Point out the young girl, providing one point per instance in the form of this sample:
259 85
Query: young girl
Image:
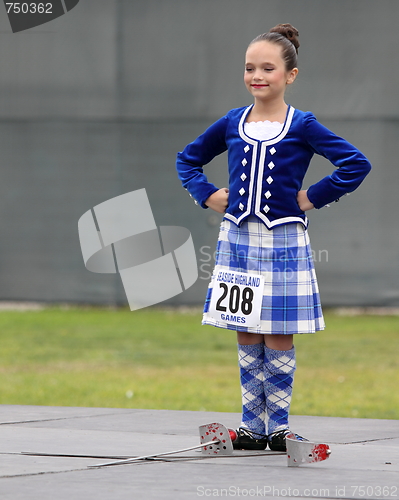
264 284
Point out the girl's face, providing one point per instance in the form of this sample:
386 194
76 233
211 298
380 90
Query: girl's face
265 74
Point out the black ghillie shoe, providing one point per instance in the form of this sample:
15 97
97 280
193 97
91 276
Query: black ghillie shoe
249 440
276 440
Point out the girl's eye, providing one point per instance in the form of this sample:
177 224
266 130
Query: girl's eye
248 69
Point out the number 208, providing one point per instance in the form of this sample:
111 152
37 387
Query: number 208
235 299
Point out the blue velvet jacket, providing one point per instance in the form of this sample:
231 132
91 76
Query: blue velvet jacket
265 176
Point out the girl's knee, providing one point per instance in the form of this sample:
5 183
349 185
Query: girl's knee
245 338
279 342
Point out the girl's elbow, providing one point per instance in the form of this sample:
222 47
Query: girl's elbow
367 167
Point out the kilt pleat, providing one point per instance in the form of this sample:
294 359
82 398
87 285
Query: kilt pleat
283 255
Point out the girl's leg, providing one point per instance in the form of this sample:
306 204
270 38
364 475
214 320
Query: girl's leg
251 363
279 377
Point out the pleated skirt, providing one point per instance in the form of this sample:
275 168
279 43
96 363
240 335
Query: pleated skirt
283 256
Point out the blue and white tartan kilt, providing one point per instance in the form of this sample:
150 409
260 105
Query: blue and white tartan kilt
291 302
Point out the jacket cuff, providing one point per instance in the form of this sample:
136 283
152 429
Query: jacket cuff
323 192
201 195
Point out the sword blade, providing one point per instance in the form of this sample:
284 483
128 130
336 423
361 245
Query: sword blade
155 455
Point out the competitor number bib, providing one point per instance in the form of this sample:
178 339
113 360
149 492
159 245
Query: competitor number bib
236 298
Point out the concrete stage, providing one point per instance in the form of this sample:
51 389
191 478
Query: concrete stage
364 462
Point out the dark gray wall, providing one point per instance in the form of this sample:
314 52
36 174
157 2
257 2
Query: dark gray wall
98 102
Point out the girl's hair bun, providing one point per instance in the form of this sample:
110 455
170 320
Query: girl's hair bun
289 32
286 36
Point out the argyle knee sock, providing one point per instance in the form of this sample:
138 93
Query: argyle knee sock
250 361
279 377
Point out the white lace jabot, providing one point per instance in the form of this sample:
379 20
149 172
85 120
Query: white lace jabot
263 131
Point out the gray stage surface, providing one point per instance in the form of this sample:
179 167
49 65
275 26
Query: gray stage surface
364 462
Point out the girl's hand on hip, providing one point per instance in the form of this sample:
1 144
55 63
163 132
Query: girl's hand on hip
218 201
303 201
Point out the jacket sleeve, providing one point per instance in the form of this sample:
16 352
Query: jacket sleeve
352 165
195 155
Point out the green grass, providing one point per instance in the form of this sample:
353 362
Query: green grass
157 359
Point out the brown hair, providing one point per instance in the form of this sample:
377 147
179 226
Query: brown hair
286 36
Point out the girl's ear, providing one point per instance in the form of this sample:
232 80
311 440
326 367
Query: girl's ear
292 75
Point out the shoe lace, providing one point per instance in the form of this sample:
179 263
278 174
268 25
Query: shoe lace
283 433
254 435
